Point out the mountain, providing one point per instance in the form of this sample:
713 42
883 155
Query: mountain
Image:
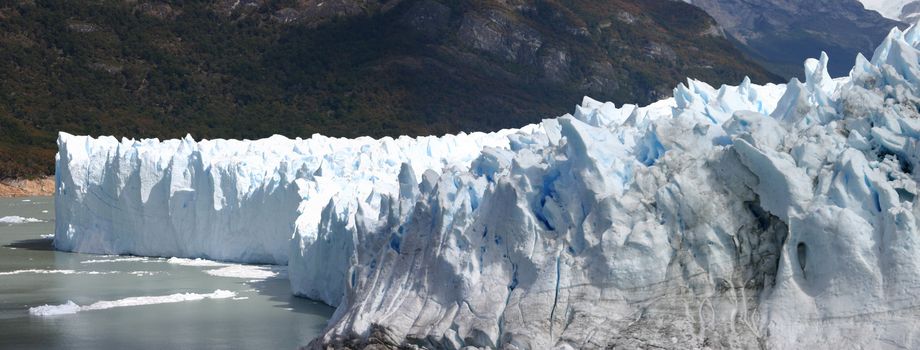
253 68
907 11
781 34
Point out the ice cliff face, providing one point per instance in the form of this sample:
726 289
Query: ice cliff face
226 199
739 217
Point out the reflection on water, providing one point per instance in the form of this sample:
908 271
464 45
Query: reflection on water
261 315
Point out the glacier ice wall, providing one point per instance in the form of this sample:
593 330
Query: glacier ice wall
779 216
226 199
739 217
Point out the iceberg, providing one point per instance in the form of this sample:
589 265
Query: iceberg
775 216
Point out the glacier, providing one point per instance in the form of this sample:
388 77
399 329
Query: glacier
224 199
775 216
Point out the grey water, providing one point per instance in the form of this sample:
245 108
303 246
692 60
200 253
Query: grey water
262 315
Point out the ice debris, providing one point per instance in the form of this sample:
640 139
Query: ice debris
71 308
17 220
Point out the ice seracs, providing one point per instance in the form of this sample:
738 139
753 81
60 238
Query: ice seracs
778 216
225 199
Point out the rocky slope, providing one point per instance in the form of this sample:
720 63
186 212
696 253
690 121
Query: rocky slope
43 186
781 34
253 68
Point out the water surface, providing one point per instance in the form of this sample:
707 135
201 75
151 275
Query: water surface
261 315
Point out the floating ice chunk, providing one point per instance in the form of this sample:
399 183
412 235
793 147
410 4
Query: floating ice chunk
196 262
53 310
60 272
233 270
18 220
249 272
71 308
144 273
116 259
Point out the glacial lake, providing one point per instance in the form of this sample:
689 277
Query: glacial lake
120 302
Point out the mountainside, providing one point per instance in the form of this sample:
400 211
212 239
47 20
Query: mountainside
781 34
248 69
907 11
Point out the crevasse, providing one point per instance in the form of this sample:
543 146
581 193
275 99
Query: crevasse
779 216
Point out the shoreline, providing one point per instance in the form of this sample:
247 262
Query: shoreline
43 186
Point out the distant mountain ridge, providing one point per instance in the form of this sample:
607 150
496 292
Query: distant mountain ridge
781 34
253 68
907 11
